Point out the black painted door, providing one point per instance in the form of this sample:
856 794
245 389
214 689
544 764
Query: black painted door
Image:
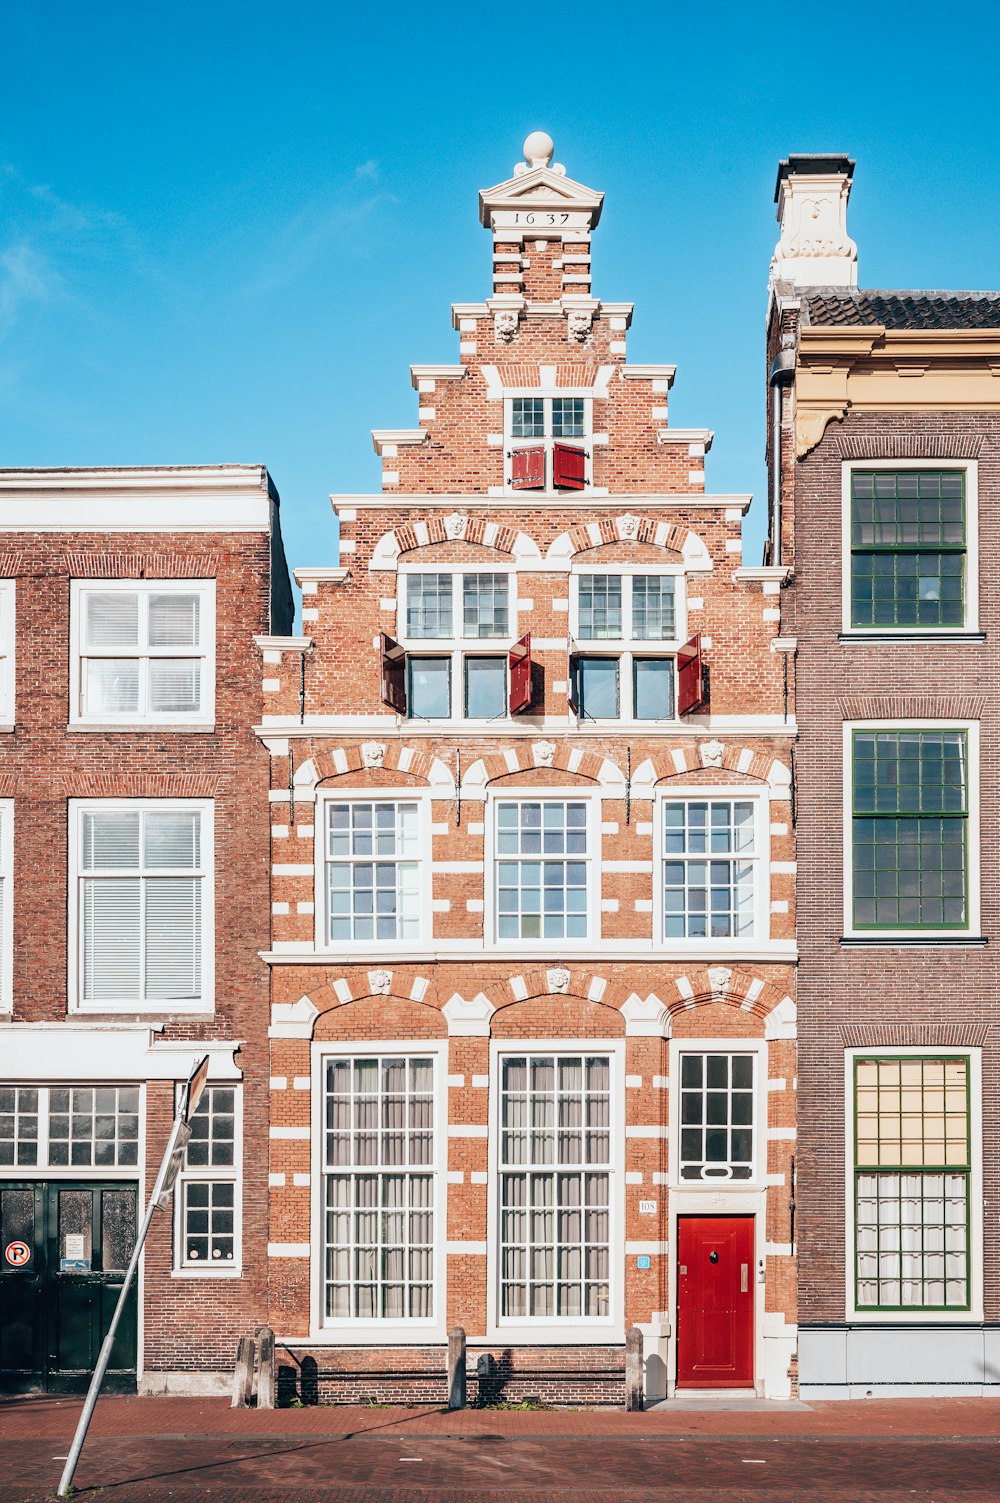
63 1255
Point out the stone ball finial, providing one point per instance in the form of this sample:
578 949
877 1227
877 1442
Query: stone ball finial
538 149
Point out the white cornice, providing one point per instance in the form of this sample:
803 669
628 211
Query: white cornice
138 499
381 436
130 478
284 726
648 373
321 572
284 644
640 951
704 436
763 573
575 501
420 373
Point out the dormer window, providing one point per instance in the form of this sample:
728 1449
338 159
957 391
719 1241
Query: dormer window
456 658
548 443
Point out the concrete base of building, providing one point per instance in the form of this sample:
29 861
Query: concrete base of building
185 1384
893 1361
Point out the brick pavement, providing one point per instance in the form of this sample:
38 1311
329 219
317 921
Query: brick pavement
152 1450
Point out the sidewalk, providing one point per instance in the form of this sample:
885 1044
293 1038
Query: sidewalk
45 1418
154 1450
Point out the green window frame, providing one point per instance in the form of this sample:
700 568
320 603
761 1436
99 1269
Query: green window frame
909 829
908 549
912 1182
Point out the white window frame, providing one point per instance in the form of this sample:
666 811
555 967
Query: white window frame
42 1169
544 1330
586 439
205 718
75 1000
593 861
8 654
211 1174
7 908
457 648
327 796
866 1315
380 1332
903 633
721 793
758 1173
627 648
889 936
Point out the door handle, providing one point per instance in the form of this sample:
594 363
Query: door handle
744 1277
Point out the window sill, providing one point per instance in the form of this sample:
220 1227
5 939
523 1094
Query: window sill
905 637
149 727
372 1333
204 1011
566 1333
913 941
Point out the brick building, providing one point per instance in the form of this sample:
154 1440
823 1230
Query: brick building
532 961
134 894
885 462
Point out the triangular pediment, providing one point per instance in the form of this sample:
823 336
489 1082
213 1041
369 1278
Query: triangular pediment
541 187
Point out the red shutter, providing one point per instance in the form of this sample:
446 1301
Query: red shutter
519 659
568 468
393 675
527 469
690 693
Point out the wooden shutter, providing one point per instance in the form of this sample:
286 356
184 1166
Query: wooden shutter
568 467
393 675
519 660
527 469
690 690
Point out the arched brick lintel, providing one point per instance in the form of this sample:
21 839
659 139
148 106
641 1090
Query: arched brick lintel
456 528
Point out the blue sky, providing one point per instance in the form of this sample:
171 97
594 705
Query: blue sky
226 229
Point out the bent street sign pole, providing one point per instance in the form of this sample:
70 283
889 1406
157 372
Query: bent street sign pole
166 1178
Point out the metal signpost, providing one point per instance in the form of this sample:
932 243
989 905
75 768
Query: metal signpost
163 1188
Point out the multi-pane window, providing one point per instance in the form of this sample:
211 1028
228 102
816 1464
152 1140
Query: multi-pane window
207 1194
717 1096
541 869
709 869
142 904
93 1126
456 609
908 548
912 1166
18 1125
144 651
555 1186
548 417
626 607
630 609
69 1127
909 827
379 1188
373 871
428 605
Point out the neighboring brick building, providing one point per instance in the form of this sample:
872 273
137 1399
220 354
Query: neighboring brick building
883 499
508 962
134 901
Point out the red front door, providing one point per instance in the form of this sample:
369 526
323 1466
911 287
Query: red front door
715 1279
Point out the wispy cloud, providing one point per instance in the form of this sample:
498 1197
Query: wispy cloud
26 277
368 169
310 232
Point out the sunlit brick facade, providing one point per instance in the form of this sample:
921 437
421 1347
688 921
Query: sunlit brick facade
533 874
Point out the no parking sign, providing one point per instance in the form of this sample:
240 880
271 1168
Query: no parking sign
17 1254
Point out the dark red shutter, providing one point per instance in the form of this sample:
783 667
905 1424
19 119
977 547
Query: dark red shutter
527 469
690 694
568 467
393 675
519 659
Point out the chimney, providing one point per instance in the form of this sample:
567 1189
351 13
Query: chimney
815 249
